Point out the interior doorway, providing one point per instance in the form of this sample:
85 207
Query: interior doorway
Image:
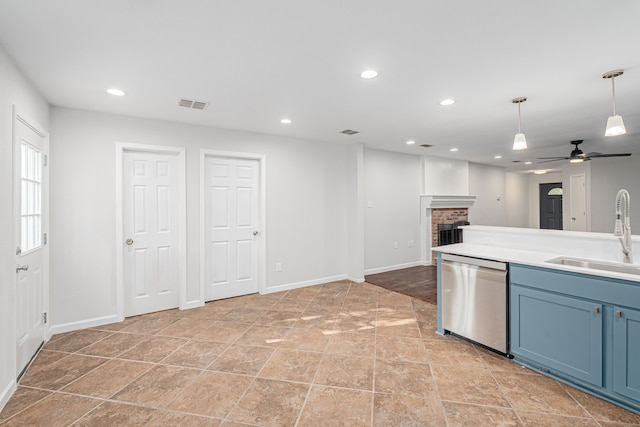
551 206
233 218
151 228
578 203
31 213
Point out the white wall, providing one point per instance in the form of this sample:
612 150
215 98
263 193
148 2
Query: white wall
306 206
516 198
487 183
534 196
392 184
445 176
608 175
14 89
355 217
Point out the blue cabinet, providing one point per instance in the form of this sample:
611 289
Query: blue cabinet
626 352
559 332
580 328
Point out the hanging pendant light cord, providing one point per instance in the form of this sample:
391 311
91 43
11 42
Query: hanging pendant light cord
519 124
613 89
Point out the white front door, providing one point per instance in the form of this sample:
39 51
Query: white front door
231 221
578 203
150 232
30 213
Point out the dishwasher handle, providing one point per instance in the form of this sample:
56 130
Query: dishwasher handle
494 265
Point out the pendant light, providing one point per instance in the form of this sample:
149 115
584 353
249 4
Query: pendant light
615 125
519 141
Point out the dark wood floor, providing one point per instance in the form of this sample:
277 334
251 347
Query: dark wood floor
419 282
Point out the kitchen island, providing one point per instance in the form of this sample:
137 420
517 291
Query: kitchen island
579 325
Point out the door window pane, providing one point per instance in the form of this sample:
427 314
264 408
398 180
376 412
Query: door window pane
31 198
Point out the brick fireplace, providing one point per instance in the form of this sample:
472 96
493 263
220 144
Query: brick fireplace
441 210
445 216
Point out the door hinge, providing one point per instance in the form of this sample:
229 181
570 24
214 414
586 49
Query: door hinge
45 160
18 250
44 317
44 238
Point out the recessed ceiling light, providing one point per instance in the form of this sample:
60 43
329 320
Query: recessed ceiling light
369 74
115 92
540 171
528 163
285 121
411 142
497 157
453 149
448 101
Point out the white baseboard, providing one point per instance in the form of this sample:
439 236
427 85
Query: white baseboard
83 324
192 304
394 267
296 285
356 280
7 393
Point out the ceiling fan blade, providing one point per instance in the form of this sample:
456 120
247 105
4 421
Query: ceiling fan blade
552 158
596 155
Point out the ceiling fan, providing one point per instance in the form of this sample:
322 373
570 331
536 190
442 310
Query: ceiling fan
577 156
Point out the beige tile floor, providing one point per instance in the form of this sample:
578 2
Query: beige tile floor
339 354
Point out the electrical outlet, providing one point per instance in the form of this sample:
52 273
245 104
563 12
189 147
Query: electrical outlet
410 243
278 266
395 245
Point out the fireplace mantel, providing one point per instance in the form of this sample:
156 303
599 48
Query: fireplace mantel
440 202
433 207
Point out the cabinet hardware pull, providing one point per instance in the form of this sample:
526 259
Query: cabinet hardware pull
618 314
596 310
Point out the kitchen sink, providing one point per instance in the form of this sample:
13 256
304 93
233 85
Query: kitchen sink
597 265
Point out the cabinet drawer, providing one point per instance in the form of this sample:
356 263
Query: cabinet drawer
560 332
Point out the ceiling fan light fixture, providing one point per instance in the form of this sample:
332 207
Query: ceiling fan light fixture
615 125
578 160
519 141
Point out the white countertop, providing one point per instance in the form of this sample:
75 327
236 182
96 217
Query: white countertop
532 258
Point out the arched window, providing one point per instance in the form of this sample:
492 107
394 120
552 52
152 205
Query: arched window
557 191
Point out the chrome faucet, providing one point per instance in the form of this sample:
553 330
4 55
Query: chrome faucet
623 224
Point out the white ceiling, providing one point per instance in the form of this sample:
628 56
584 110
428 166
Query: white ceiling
257 61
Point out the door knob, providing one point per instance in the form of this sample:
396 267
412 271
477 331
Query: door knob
255 233
21 268
129 242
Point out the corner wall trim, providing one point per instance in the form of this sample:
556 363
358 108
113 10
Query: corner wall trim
7 392
82 324
394 267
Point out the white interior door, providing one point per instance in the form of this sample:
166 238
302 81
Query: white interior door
231 220
578 218
31 255
150 228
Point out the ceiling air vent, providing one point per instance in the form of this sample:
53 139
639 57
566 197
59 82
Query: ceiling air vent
190 103
349 132
426 145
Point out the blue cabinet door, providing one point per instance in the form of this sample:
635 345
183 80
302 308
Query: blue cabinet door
626 352
560 332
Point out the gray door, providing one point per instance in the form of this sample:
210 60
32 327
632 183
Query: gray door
551 206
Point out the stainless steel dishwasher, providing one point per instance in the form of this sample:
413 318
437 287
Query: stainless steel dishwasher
474 299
